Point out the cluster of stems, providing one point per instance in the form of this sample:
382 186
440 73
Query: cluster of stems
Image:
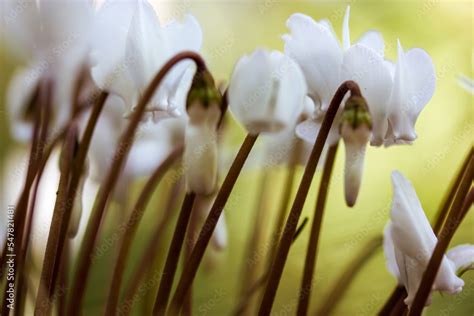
54 273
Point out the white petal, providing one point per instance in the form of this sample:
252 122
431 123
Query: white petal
308 131
412 232
346 36
145 48
185 35
316 49
19 27
462 256
413 87
368 69
109 69
374 40
389 252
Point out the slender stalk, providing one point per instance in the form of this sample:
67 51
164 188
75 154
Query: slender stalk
20 216
251 259
449 196
461 204
285 198
174 252
62 214
313 244
392 301
263 278
125 142
44 303
190 269
399 295
131 227
342 284
298 203
152 248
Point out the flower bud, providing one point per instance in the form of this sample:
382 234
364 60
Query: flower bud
355 130
200 153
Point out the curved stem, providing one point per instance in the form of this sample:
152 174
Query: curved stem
313 244
44 303
460 206
190 269
151 251
125 142
130 228
298 203
62 214
342 283
250 264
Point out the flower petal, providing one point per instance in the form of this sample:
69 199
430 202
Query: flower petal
462 256
389 252
346 36
374 40
366 67
414 84
319 61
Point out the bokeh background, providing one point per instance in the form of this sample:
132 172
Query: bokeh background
445 129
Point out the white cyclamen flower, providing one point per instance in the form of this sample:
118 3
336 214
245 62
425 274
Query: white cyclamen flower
266 92
409 242
52 37
395 95
132 48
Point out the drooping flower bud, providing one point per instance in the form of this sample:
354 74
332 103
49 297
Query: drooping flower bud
355 130
200 154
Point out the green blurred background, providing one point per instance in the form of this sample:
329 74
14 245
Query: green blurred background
445 128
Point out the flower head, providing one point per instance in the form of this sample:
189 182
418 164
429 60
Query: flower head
266 92
132 48
409 243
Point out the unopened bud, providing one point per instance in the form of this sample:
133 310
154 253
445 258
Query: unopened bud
355 130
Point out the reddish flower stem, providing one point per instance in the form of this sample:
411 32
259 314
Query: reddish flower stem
313 244
298 203
460 206
131 227
191 267
125 142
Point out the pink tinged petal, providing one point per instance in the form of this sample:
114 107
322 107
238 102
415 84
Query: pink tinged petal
414 85
462 257
316 49
368 69
373 40
346 35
